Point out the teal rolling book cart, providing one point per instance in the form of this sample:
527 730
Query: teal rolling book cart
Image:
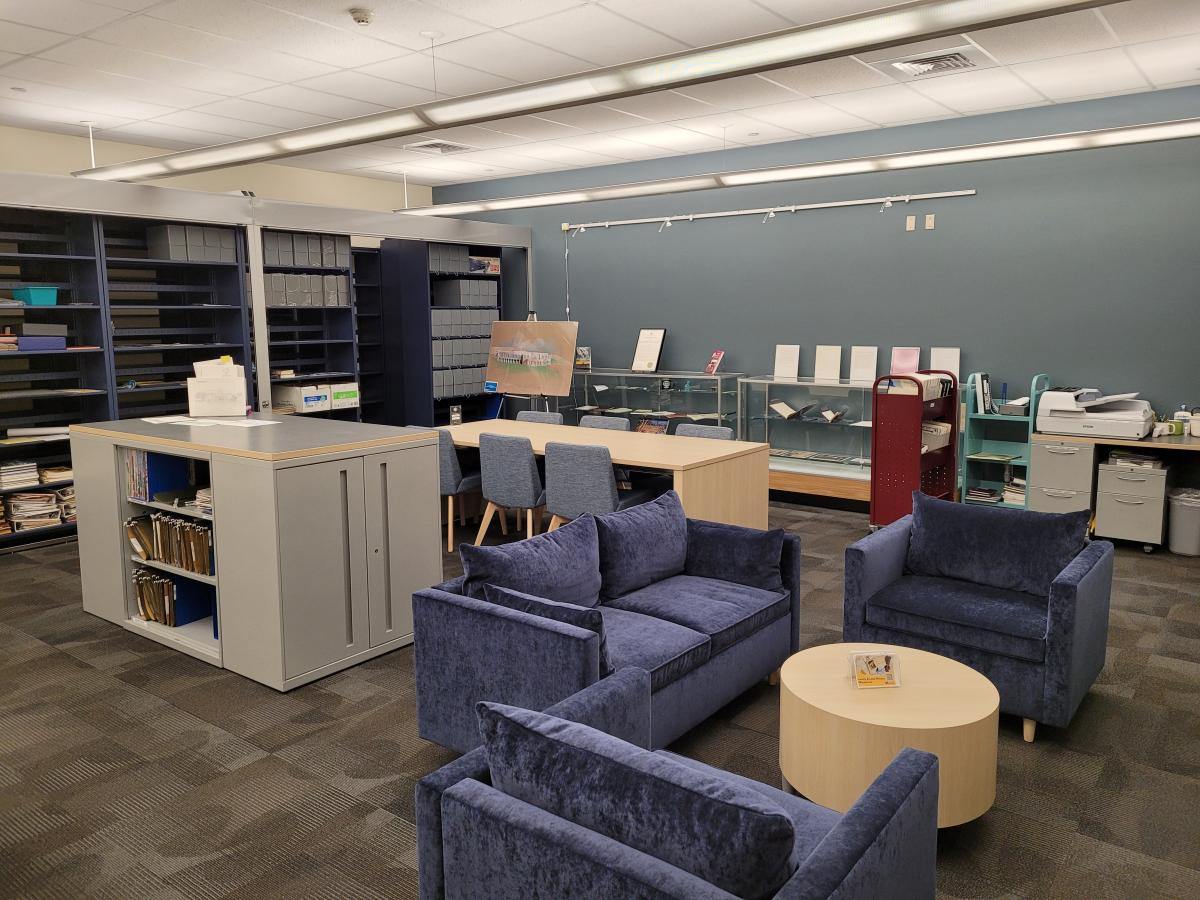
994 449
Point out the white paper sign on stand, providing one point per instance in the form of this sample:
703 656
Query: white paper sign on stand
787 361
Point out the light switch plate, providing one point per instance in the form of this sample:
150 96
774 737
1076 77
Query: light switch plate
910 223
929 220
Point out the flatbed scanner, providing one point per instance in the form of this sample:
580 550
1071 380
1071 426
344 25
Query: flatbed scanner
1086 411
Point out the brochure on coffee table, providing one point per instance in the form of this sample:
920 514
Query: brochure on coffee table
875 670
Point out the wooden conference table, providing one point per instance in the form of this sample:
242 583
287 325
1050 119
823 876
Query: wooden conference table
721 481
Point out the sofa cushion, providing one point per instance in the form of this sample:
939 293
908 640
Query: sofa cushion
721 832
733 553
1016 549
666 650
641 545
563 566
586 617
809 821
1008 623
725 611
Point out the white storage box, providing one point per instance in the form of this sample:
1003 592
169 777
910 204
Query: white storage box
343 396
306 398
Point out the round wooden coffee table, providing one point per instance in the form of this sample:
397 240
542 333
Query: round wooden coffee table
835 738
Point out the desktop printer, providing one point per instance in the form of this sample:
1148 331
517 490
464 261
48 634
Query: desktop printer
1086 411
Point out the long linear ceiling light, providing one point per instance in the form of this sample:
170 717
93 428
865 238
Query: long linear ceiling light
915 159
919 20
766 211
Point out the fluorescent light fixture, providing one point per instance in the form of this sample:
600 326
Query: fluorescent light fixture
915 159
916 21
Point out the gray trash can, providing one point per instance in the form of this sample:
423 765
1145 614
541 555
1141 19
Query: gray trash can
1185 521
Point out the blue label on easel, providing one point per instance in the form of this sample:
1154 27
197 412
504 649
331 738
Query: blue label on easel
489 387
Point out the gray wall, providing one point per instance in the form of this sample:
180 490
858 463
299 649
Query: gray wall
1085 266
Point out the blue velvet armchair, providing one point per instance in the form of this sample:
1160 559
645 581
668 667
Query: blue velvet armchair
1022 597
476 828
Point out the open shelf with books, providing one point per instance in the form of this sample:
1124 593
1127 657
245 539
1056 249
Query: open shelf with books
994 451
819 431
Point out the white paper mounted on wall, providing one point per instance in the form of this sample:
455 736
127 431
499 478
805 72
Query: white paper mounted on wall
828 364
904 360
648 349
864 364
944 359
787 361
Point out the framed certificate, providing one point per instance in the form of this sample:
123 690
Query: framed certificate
648 349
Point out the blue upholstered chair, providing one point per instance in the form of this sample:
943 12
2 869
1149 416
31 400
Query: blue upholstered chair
453 481
579 480
536 415
612 423
1020 596
510 481
572 802
714 432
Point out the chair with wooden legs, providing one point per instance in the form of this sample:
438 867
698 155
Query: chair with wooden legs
536 415
453 482
579 480
510 481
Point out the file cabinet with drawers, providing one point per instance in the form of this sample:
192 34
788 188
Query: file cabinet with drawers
1060 475
1131 503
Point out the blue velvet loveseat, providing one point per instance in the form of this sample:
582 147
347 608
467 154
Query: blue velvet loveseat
707 609
572 803
1020 596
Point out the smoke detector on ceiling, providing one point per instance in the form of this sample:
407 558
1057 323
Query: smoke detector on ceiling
438 148
362 17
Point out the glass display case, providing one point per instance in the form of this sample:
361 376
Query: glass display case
819 432
653 401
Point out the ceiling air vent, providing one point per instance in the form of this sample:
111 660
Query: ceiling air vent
437 148
933 65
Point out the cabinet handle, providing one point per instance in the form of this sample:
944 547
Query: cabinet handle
343 477
387 548
1054 493
1066 450
1129 502
1127 478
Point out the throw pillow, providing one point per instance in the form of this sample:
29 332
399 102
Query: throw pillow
585 617
746 556
563 566
641 545
724 833
1014 549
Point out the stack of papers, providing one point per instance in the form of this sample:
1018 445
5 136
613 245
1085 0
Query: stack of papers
983 495
28 511
18 474
1134 459
203 501
1014 492
49 474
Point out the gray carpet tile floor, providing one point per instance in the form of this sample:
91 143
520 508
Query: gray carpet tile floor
128 770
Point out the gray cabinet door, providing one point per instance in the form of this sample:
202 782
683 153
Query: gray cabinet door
403 539
322 564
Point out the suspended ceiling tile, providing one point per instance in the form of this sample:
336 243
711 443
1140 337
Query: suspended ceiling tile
532 128
593 33
1083 75
509 56
607 145
987 89
129 5
276 116
888 105
6 57
699 23
200 121
24 39
358 86
453 80
808 117
1063 35
593 117
739 93
67 16
560 154
62 119
1149 20
805 12
276 30
736 128
502 13
84 52
399 23
662 106
193 45
66 98
669 137
155 133
1171 62
322 104
101 83
830 76
474 136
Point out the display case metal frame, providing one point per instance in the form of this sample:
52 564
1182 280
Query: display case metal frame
725 397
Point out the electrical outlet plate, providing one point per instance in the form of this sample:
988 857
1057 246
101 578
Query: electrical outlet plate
929 222
910 223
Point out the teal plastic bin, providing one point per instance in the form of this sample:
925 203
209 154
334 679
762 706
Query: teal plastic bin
36 296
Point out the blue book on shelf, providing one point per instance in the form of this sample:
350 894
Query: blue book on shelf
40 342
194 601
167 473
